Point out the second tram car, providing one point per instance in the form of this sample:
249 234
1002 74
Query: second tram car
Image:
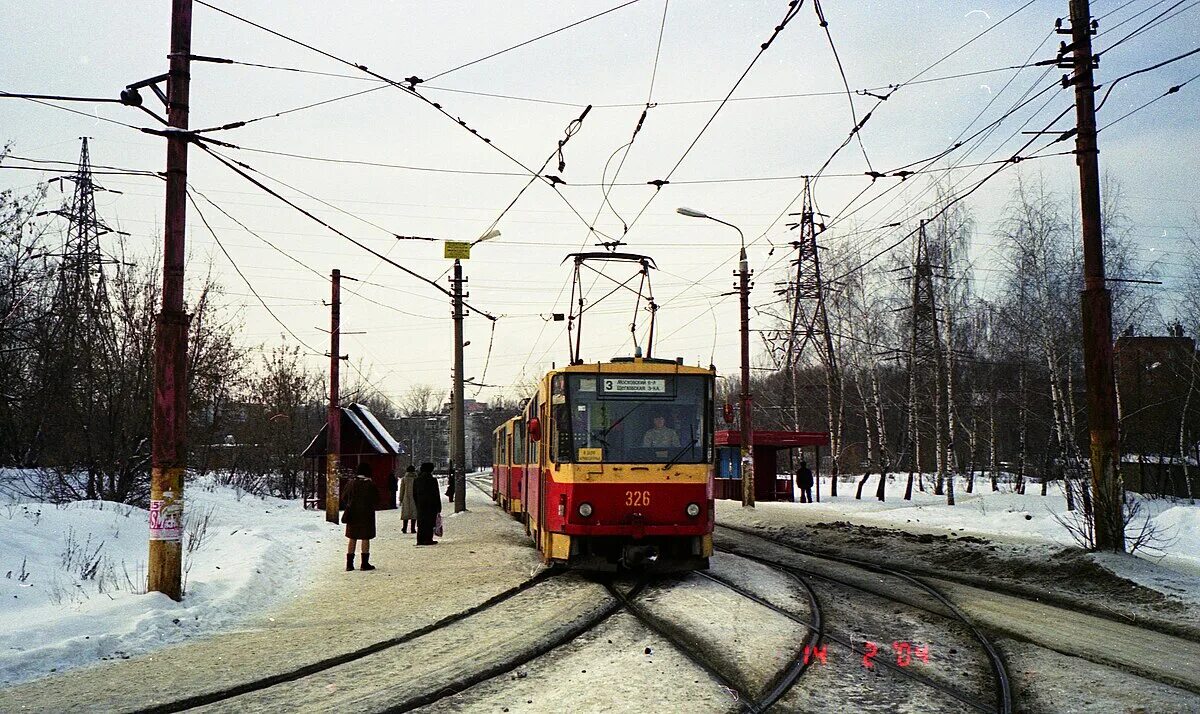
614 466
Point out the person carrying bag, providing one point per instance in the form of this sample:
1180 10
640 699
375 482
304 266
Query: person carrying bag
429 504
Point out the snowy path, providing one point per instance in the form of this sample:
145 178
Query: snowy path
484 553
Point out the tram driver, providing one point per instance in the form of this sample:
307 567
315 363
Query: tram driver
660 436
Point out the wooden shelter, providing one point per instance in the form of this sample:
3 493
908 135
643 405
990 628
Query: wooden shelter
364 441
769 484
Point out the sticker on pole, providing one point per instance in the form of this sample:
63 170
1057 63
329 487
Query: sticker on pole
166 517
457 249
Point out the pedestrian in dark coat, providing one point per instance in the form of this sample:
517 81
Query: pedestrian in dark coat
408 500
429 504
450 480
393 487
359 501
804 479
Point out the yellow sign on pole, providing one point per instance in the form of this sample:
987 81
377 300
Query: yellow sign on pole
457 249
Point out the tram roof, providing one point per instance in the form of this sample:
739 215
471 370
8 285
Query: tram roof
635 365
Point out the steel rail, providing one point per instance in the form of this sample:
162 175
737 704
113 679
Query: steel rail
745 701
338 660
465 682
798 575
787 677
999 670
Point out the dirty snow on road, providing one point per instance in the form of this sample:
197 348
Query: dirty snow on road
75 575
1170 563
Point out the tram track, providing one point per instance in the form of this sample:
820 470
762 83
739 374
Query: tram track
1004 701
787 677
444 661
346 658
466 682
745 701
226 696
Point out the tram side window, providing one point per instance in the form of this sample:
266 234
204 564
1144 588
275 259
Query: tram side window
518 450
561 444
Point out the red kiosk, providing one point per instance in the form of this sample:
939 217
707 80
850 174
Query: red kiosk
768 484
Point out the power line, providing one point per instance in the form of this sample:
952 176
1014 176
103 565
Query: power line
236 169
1149 25
845 83
323 102
1142 71
408 87
660 103
793 9
246 280
97 117
858 126
531 40
1164 95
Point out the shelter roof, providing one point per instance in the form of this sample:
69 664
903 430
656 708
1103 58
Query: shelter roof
357 420
778 439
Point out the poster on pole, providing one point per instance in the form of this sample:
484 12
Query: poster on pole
457 249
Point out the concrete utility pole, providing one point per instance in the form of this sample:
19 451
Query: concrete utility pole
1096 301
747 400
169 428
458 423
743 288
333 431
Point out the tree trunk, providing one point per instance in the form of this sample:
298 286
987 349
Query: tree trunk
1183 450
972 443
993 457
872 453
881 425
1022 429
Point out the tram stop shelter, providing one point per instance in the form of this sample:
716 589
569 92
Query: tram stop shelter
769 484
364 441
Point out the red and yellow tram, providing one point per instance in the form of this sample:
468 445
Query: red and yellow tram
612 465
508 469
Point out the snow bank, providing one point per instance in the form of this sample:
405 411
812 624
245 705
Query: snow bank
74 576
1173 558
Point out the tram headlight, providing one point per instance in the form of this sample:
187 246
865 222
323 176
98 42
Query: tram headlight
585 510
693 509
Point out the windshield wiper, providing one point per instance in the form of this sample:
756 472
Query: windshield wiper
624 416
679 455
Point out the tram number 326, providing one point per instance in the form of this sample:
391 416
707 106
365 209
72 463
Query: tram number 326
637 498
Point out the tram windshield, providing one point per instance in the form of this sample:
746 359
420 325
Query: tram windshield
636 418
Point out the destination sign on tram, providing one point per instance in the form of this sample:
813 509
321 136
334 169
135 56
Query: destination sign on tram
634 385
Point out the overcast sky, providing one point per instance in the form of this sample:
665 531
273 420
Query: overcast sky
96 48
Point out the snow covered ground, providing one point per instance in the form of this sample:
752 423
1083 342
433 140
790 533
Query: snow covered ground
74 576
1170 563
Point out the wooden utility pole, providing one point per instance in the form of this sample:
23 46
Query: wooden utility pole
1095 299
458 422
169 428
333 431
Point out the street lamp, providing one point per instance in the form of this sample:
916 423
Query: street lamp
747 439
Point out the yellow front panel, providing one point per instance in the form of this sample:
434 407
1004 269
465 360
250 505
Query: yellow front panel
631 473
560 546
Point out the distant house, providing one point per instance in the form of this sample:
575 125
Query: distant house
1154 377
364 441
